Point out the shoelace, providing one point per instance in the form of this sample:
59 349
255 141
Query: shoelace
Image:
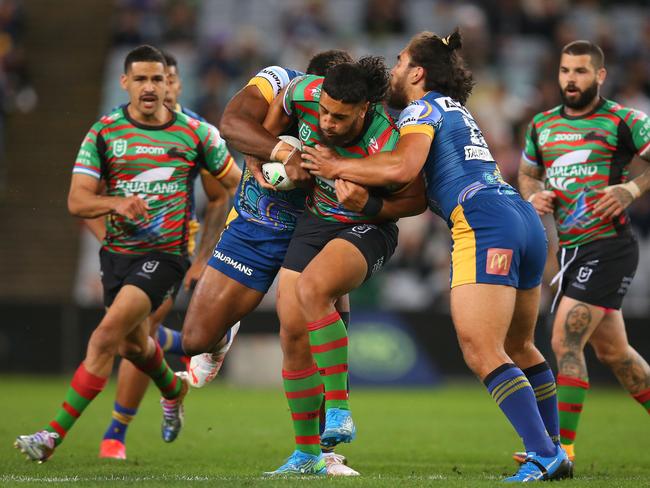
170 408
335 458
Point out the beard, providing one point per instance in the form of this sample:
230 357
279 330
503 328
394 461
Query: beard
584 98
397 96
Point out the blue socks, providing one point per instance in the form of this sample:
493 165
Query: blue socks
511 390
122 416
542 381
169 340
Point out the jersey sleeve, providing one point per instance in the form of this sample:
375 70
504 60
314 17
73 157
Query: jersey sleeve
530 154
89 158
639 124
419 117
216 158
271 80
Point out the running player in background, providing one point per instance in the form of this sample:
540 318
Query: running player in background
575 165
253 245
131 382
499 245
333 250
146 154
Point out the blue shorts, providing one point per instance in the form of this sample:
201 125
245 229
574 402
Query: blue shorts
249 253
497 239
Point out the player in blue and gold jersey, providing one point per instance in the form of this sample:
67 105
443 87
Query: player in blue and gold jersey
499 244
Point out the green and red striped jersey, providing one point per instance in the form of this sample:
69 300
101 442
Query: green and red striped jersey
379 134
581 156
158 164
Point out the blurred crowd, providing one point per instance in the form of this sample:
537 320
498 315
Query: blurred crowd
512 46
16 92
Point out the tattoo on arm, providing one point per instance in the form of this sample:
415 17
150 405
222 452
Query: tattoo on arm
531 179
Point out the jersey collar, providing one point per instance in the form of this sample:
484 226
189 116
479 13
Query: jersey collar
139 125
564 115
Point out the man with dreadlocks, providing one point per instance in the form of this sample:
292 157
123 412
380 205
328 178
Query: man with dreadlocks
499 245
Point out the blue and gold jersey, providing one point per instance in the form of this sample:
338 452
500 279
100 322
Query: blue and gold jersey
276 210
459 163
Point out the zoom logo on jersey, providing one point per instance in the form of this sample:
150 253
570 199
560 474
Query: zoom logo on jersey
567 136
156 151
248 271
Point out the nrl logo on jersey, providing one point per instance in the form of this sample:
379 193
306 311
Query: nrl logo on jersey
119 147
543 136
304 132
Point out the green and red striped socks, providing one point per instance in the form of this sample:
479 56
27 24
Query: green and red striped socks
162 375
304 391
329 346
644 399
571 393
84 387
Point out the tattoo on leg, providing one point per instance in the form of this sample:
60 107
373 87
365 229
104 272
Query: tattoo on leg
576 325
633 373
572 363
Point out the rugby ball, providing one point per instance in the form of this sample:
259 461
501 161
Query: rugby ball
275 173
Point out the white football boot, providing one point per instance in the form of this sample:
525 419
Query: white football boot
203 368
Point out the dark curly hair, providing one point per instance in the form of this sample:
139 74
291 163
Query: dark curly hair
321 63
445 69
367 80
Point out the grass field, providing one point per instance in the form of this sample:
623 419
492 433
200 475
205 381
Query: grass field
451 436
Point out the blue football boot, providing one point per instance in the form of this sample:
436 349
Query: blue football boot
301 464
538 468
339 427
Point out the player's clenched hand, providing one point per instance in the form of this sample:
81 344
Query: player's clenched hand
294 170
320 161
132 207
352 196
543 201
193 274
613 201
254 165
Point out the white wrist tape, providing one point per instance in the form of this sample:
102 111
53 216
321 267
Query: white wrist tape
631 187
277 147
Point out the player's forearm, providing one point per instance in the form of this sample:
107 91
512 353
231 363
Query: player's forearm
410 201
529 184
643 181
213 224
88 205
382 169
248 136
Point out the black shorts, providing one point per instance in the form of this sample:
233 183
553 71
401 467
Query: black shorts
600 272
377 242
158 274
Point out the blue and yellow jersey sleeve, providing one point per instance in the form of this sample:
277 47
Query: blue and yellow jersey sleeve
419 117
271 80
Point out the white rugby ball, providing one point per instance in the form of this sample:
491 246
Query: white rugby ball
275 173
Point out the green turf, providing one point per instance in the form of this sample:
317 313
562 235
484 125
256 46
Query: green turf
451 436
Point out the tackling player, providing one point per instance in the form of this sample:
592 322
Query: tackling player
575 165
254 243
131 382
499 245
147 155
333 250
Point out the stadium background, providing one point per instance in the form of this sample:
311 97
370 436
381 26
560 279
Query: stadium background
59 69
